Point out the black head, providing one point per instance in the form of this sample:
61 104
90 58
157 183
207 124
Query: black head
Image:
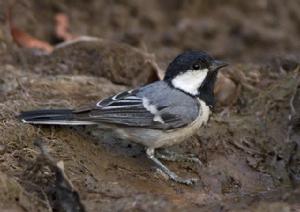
194 72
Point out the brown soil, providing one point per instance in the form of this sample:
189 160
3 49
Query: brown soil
250 148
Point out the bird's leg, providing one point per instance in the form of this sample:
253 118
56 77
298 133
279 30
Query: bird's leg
173 156
150 153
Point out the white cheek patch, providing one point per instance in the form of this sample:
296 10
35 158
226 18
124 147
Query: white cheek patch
153 110
190 81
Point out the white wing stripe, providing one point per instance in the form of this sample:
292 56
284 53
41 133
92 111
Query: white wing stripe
99 103
152 109
125 100
114 100
133 98
114 107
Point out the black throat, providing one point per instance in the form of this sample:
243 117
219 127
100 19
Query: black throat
206 91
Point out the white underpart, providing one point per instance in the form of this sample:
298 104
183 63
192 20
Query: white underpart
152 109
205 112
190 81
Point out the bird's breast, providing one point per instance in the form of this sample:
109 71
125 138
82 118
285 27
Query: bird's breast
156 138
175 136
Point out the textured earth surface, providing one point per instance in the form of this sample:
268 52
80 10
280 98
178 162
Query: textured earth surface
249 149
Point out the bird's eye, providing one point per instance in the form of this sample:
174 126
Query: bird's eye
196 66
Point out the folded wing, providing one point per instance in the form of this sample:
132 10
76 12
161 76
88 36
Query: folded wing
135 108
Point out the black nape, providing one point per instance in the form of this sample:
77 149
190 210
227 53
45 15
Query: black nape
187 61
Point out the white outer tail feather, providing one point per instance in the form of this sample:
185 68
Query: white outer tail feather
64 122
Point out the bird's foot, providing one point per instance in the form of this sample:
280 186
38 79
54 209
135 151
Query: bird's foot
186 181
173 156
172 176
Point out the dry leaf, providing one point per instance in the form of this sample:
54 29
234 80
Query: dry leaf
226 90
23 39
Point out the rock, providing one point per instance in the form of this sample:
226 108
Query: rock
2 148
226 90
118 62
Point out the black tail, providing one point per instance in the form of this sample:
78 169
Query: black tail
54 117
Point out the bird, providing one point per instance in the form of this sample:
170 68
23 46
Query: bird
157 115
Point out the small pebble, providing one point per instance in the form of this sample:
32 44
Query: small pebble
2 148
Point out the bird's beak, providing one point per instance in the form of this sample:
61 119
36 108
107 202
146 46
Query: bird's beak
217 64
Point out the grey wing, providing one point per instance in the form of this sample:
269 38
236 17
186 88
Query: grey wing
132 108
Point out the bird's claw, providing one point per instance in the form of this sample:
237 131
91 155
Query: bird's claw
195 160
172 156
186 181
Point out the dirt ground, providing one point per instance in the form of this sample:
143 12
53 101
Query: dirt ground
250 148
